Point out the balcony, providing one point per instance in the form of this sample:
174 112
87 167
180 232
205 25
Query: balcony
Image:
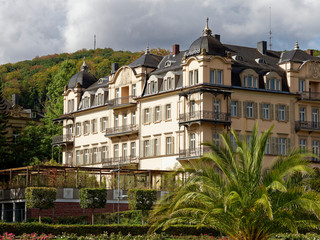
210 116
122 161
193 152
121 102
307 126
309 96
60 139
122 130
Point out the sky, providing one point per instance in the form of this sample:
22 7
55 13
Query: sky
41 27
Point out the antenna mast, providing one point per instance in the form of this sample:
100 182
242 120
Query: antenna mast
94 42
270 33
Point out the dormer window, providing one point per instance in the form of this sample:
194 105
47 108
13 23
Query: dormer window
273 84
250 81
99 99
85 103
193 77
152 87
261 60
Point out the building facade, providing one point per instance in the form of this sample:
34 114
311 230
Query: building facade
155 112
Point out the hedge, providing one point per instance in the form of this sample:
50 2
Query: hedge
82 230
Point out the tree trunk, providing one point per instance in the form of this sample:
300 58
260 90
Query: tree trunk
40 215
92 216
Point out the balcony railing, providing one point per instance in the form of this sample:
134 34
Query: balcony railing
127 160
126 129
193 152
205 115
121 101
314 96
306 125
66 138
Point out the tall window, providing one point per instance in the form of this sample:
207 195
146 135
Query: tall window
146 115
133 118
250 110
303 144
216 139
191 78
302 85
116 120
168 111
116 151
156 147
94 125
86 127
117 96
302 114
124 150
266 111
147 148
315 118
157 113
86 156
196 77
104 123
78 129
192 108
134 90
267 150
281 113
192 142
125 118
133 149
234 108
169 145
104 153
95 155
216 76
282 146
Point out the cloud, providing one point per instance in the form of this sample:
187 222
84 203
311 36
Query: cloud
35 27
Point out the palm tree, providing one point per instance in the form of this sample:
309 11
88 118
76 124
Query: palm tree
231 191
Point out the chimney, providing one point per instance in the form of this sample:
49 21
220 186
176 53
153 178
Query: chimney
114 67
262 47
175 49
217 36
310 52
15 99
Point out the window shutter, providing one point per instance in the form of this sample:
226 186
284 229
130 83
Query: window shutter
255 110
261 110
271 112
163 108
276 144
172 145
90 156
288 145
177 112
287 113
239 109
151 114
81 157
143 116
244 109
91 127
101 121
152 148
277 111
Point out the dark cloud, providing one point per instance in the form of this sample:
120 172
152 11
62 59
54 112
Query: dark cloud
35 27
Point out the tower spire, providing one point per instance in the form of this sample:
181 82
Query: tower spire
296 47
206 31
84 66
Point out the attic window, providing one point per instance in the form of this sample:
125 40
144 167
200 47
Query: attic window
261 60
100 81
168 63
237 58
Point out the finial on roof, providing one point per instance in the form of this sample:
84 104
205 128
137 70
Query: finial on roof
296 47
84 66
147 50
206 31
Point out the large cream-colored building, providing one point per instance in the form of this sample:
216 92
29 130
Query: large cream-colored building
155 112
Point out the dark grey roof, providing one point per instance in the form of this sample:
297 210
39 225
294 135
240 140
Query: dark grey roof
101 83
169 63
295 56
211 44
146 60
83 77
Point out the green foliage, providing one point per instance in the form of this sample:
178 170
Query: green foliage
288 236
40 197
84 230
126 217
4 115
141 199
73 220
230 191
93 197
47 220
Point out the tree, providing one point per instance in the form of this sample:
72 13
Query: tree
93 198
40 197
231 191
142 199
4 125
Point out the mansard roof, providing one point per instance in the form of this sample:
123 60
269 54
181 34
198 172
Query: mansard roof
146 60
296 55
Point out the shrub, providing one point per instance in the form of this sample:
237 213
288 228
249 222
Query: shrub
72 220
126 217
93 198
142 199
40 197
48 220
